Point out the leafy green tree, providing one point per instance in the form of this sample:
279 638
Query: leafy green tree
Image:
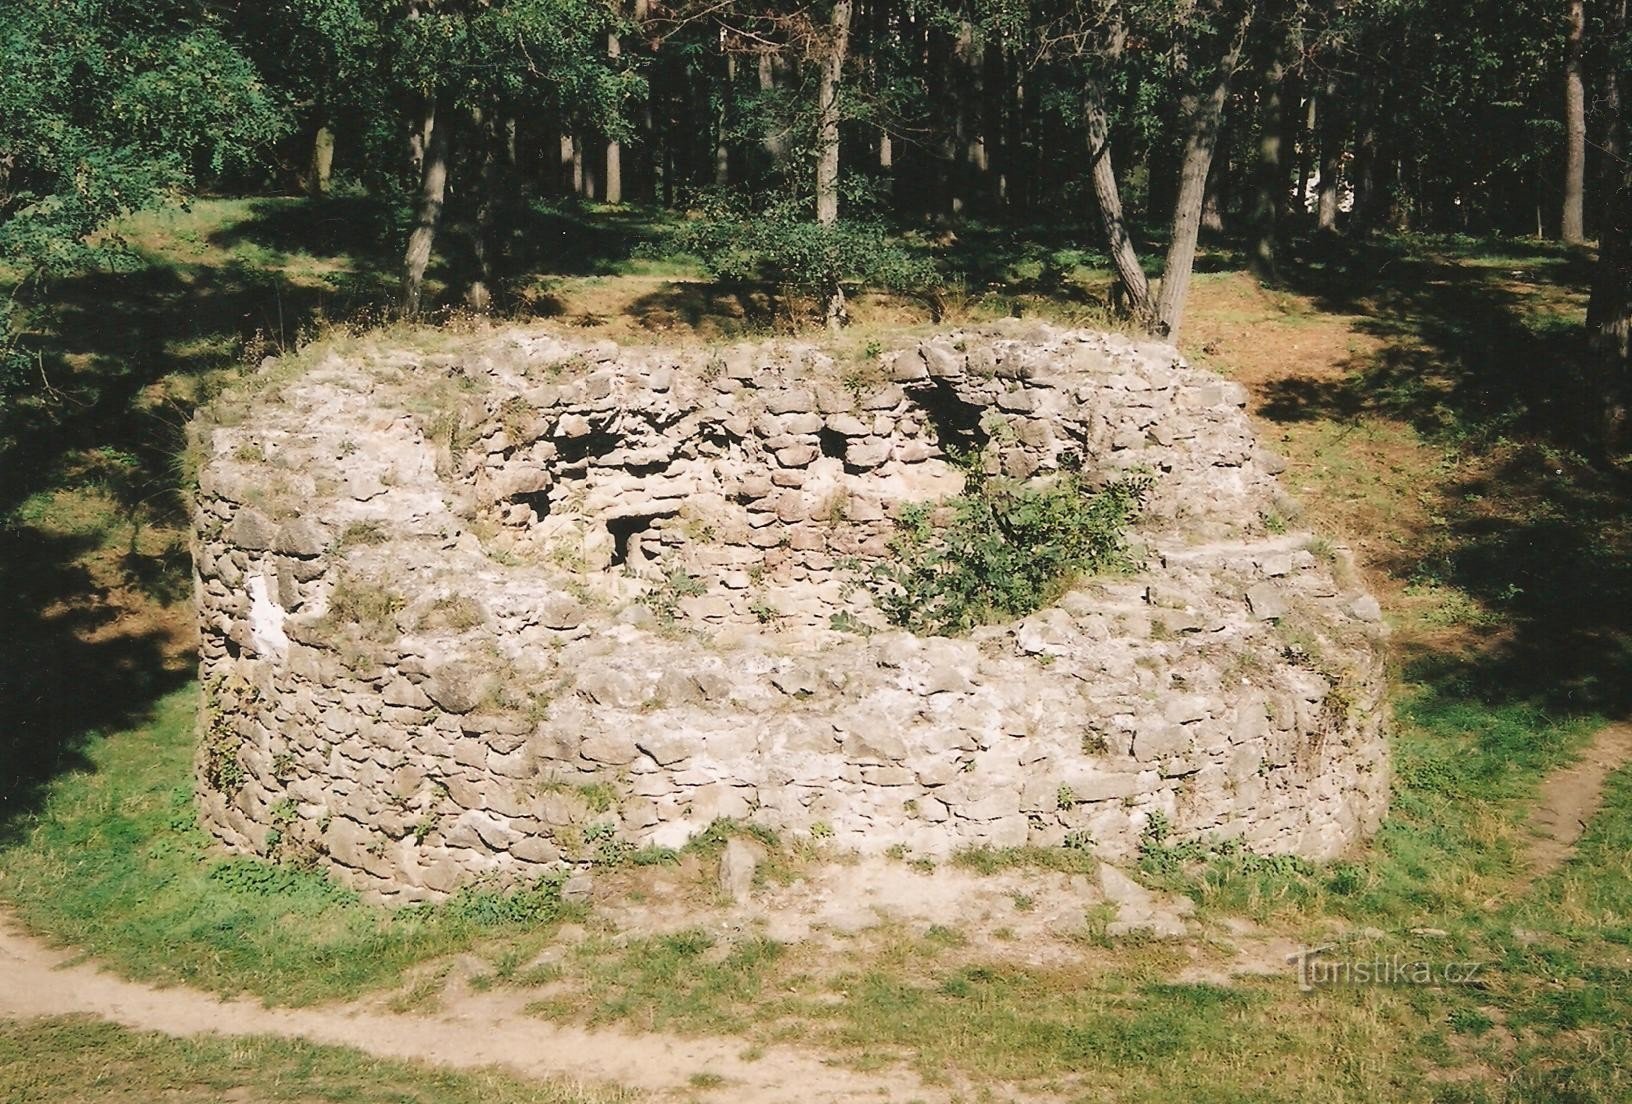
107 107
327 57
470 62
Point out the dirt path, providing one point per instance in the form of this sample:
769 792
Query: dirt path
36 980
1569 798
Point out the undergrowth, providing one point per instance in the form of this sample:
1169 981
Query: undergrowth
1009 548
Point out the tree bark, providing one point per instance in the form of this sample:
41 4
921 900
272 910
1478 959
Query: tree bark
1212 205
483 247
1609 310
433 190
572 170
1204 116
774 142
722 149
322 161
827 151
614 150
1134 289
1331 158
1306 150
1572 224
1269 177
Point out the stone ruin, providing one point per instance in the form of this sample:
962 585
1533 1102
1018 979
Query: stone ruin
540 602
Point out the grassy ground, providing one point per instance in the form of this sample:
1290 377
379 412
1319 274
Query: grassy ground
1420 391
66 1061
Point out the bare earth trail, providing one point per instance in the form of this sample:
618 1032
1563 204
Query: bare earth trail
1570 797
36 981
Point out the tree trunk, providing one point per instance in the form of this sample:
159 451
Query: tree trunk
1609 311
968 77
1364 214
1204 116
1306 151
583 168
1212 206
1134 289
571 178
419 134
614 150
1331 158
433 190
722 149
322 161
479 292
1572 229
1269 177
827 149
774 143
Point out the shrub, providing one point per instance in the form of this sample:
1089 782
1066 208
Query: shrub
1011 548
777 241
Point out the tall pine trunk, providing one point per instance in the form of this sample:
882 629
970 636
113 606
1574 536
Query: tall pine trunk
1572 224
483 239
827 150
433 191
322 168
1609 311
1331 157
1307 141
614 149
1269 171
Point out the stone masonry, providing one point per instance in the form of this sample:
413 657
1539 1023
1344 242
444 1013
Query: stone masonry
488 614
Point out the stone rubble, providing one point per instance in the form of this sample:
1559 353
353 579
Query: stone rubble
486 615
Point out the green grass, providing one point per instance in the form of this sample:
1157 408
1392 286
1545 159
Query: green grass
114 863
69 1061
1465 778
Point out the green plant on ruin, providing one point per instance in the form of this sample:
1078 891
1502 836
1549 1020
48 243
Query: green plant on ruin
847 622
664 599
1011 548
370 607
361 533
516 417
222 770
865 376
453 612
1159 857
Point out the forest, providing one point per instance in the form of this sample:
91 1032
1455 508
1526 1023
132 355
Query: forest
1402 229
822 148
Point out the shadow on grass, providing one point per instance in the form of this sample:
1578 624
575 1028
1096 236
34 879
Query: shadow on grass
68 668
90 474
1482 346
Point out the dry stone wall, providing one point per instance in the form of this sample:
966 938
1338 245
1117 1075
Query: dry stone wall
489 613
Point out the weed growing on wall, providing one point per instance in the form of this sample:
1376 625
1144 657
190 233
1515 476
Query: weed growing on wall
1009 548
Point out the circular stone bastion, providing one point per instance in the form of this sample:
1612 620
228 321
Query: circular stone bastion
527 602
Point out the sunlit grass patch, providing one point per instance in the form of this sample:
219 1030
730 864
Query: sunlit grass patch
68 1061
